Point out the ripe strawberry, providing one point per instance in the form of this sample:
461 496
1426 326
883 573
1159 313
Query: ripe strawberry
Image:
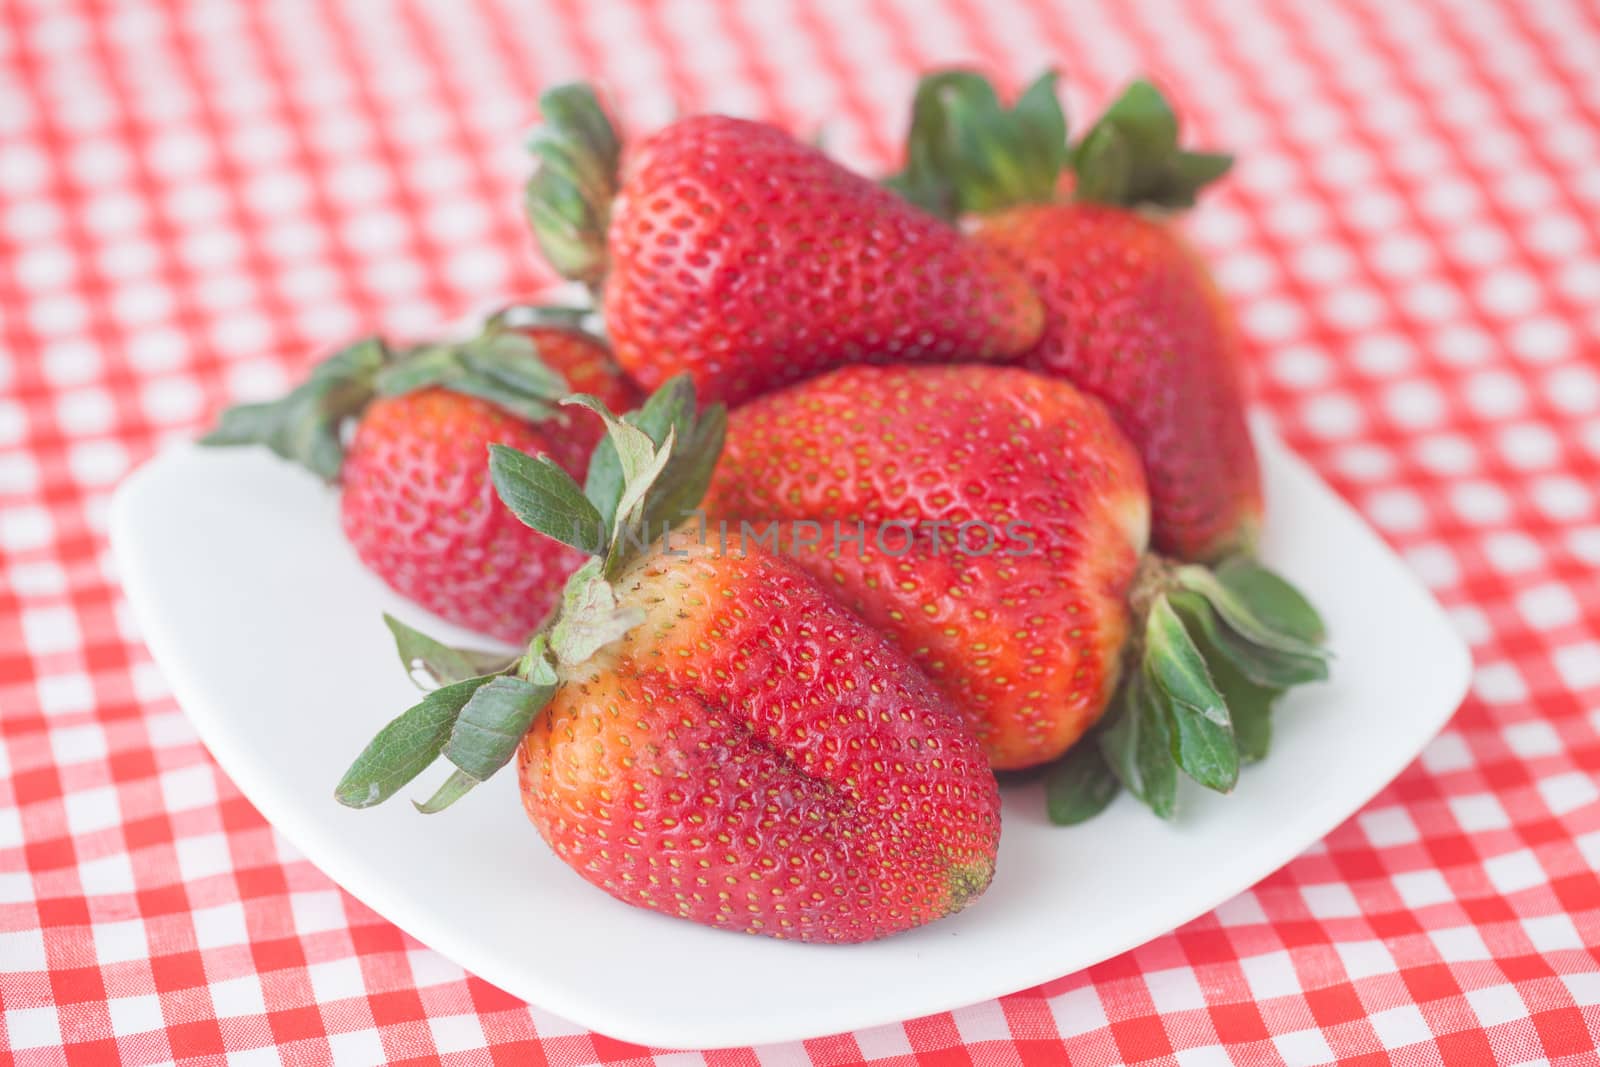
734 252
703 731
1131 314
1026 593
416 502
1027 637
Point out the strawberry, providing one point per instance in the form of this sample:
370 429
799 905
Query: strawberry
1026 637
416 502
1025 592
702 730
733 252
1131 313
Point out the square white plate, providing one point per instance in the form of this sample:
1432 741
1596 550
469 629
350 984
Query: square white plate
269 632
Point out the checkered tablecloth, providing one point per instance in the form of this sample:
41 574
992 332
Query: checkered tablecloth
195 198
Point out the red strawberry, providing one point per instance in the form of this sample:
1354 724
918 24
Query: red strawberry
1131 314
417 505
1027 638
705 732
1035 598
748 259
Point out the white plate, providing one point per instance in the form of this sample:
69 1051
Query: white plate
269 633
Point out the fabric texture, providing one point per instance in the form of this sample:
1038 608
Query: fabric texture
197 199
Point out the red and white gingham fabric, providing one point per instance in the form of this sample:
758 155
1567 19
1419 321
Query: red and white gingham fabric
196 198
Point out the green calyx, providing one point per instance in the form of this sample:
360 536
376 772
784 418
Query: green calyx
1130 157
500 365
1213 652
646 476
968 153
568 199
475 720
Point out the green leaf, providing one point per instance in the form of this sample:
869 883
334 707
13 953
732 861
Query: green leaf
1189 172
295 428
511 358
590 618
246 424
1105 166
1130 156
575 110
1249 709
1201 731
528 409
1237 614
1204 750
652 468
669 413
1272 599
568 197
630 509
458 785
1249 704
629 519
405 747
1145 119
931 175
305 426
602 486
1134 742
536 666
491 725
635 451
923 189
988 173
545 497
669 407
499 365
419 368
311 437
1041 135
1080 785
1267 667
353 364
643 473
439 661
1175 665
683 484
